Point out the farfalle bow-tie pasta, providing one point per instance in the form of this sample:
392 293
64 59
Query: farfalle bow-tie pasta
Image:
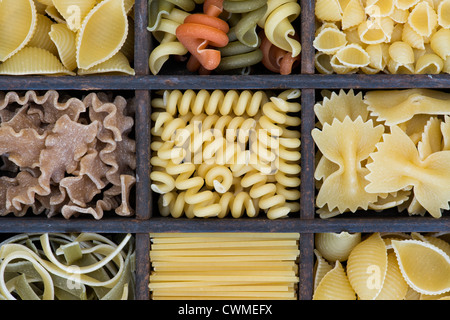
374 36
382 266
63 155
66 37
219 152
390 149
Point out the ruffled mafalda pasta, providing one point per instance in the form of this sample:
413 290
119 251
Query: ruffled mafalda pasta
415 31
70 35
85 266
242 147
225 36
411 122
67 156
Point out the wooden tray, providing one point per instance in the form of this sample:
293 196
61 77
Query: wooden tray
147 220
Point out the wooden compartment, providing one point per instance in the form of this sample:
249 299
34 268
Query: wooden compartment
146 220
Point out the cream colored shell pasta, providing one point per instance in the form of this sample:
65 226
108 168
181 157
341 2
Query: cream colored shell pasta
35 61
424 266
118 65
336 246
410 28
335 286
64 40
16 30
102 34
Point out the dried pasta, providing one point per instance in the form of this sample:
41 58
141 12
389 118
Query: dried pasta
76 36
85 266
218 266
242 147
67 156
387 266
400 37
238 36
406 135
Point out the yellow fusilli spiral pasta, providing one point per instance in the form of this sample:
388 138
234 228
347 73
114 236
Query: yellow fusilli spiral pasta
216 153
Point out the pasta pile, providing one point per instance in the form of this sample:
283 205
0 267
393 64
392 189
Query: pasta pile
390 149
224 266
66 37
221 152
226 36
372 36
64 155
54 266
382 266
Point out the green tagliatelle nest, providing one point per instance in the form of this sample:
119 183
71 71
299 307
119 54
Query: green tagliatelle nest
55 266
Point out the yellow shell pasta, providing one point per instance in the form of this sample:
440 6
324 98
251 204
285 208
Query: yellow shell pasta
118 64
394 285
335 286
102 34
32 60
330 40
412 38
336 246
367 266
379 8
443 13
405 4
401 52
353 14
353 56
322 61
440 43
41 38
65 41
429 63
423 19
321 268
328 10
74 11
425 267
16 30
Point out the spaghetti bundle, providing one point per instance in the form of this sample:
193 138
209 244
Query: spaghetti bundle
218 266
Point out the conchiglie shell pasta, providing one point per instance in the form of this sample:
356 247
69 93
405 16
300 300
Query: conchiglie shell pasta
328 10
399 15
353 56
118 64
32 60
377 31
74 11
405 4
401 52
412 38
323 63
321 268
335 286
423 19
16 30
425 267
379 55
353 14
330 40
102 34
379 8
394 286
65 41
336 246
41 38
366 267
443 13
440 43
429 63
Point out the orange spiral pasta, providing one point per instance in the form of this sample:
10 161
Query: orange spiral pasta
276 59
200 32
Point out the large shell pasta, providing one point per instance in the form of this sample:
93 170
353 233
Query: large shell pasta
32 60
410 28
94 46
16 30
387 266
80 34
